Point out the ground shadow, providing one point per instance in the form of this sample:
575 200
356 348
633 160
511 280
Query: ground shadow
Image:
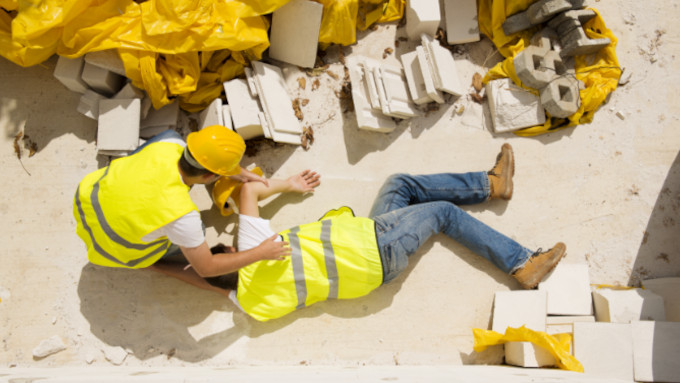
659 252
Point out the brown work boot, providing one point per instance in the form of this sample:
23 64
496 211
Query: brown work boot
538 265
500 177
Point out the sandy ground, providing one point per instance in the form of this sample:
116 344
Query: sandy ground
610 190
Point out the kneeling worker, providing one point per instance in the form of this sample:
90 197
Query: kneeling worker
342 256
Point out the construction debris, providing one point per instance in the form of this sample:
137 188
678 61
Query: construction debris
49 346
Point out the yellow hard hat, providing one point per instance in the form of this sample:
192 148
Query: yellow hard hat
218 149
224 188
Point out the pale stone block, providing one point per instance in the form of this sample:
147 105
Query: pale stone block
369 66
107 59
624 306
367 118
69 72
564 324
165 116
49 346
553 329
131 91
294 33
512 107
89 104
422 16
669 290
226 117
604 349
212 115
428 77
102 80
527 354
118 125
519 308
277 136
461 21
414 78
244 109
393 93
442 66
656 351
274 97
568 288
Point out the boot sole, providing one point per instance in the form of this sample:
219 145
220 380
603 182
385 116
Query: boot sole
553 263
507 193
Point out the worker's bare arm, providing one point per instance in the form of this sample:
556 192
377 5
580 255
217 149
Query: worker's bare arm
188 275
253 192
207 264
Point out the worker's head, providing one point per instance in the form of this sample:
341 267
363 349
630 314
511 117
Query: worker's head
213 150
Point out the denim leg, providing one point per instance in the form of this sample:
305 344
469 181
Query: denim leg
401 190
401 232
164 135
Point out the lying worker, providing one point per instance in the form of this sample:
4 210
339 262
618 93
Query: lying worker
130 212
342 256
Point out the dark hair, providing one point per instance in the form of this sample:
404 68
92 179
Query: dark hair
189 169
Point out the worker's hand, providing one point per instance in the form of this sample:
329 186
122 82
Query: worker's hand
248 176
273 250
304 182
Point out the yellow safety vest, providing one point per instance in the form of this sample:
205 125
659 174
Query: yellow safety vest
334 258
116 206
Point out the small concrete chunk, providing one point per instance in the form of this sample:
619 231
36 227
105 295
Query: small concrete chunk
461 21
568 289
512 107
561 97
422 16
669 290
604 349
89 104
414 78
656 351
527 354
519 308
244 109
107 59
294 34
624 306
48 347
69 72
102 80
115 355
118 125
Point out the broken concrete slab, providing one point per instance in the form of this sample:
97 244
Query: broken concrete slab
442 66
527 354
512 107
624 306
101 80
568 289
656 351
294 33
605 349
519 308
422 16
461 21
414 78
275 99
107 59
118 128
244 109
69 72
49 346
668 289
367 117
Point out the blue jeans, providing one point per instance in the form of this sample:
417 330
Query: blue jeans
410 209
164 135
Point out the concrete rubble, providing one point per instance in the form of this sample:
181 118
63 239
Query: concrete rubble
49 346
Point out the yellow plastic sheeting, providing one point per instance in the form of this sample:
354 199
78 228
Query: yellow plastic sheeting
599 72
557 345
341 18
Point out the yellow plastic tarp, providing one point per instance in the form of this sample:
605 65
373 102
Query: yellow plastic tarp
599 72
557 345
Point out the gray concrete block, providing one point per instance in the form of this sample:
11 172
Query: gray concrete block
107 59
165 116
118 128
69 72
102 80
516 23
656 351
536 66
543 10
561 97
89 104
569 26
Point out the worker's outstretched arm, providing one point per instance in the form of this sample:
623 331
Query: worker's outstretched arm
253 192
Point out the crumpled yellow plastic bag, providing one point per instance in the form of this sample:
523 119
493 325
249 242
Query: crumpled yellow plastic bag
557 345
600 72
342 18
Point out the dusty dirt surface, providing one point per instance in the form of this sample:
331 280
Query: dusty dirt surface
609 189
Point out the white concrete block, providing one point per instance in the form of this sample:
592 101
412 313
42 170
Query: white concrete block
369 68
428 77
656 351
69 72
442 66
512 107
89 104
568 288
102 80
422 16
251 81
131 91
527 354
624 306
277 136
669 290
226 117
294 33
461 21
274 98
414 78
118 124
395 92
563 323
266 130
108 59
244 109
165 116
604 349
519 308
212 115
367 118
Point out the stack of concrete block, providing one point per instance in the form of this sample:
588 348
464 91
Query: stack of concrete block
569 27
462 25
294 34
512 107
537 13
273 116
